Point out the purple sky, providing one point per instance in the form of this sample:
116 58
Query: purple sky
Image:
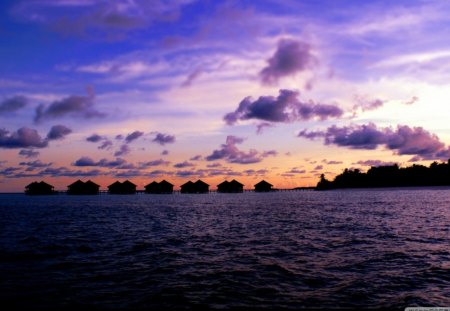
178 90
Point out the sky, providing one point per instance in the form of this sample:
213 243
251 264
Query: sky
218 90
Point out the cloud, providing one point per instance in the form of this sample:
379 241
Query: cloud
366 104
412 100
94 138
22 138
286 107
29 153
154 163
33 165
133 136
403 140
252 172
331 162
295 171
77 106
260 127
124 149
13 104
165 152
230 152
192 77
106 144
374 163
163 139
269 153
184 164
291 57
196 158
102 20
87 161
58 132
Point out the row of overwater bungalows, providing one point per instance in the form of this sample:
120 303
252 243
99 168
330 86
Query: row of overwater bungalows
127 187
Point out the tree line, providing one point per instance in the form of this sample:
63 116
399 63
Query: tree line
437 174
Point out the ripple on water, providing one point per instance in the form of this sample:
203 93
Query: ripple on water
271 250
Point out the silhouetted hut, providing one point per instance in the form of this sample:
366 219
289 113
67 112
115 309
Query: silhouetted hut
39 188
187 187
165 187
235 186
198 187
230 187
201 186
223 186
81 188
263 186
152 187
127 187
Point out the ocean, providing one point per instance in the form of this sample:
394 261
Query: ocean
287 250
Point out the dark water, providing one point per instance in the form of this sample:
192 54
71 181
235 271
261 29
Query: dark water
374 248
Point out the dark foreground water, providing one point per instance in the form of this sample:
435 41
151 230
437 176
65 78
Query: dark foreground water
361 248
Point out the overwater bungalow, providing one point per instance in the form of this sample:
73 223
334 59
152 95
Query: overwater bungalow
161 187
126 187
230 187
39 188
187 187
83 188
165 187
198 187
201 186
263 186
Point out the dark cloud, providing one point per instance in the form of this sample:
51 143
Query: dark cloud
374 163
318 167
184 164
165 152
230 152
403 140
154 163
124 149
94 138
295 171
22 138
65 172
269 153
106 144
78 106
87 161
13 104
163 139
286 107
133 136
256 172
291 57
33 165
331 162
196 158
29 153
58 132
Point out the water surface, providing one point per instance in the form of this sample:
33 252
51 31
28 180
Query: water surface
353 248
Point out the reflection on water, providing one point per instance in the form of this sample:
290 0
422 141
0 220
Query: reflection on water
365 248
